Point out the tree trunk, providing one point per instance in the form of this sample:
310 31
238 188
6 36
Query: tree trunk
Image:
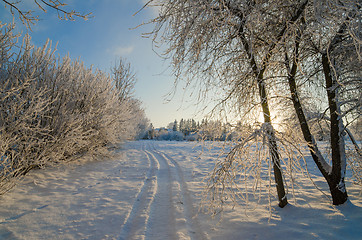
322 165
258 73
336 178
334 175
336 182
273 148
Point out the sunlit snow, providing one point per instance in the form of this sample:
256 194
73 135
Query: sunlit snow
153 190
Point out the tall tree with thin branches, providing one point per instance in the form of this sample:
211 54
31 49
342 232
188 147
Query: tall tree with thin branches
213 41
244 49
328 36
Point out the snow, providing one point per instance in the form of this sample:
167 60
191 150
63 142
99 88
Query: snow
153 190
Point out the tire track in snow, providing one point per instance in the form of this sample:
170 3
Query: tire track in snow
161 224
191 223
137 219
163 208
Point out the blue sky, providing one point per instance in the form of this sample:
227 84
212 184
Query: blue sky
104 38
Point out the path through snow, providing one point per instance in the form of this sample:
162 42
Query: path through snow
163 208
152 190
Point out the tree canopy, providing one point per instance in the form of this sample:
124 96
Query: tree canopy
262 55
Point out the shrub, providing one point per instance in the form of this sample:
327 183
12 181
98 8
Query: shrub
54 110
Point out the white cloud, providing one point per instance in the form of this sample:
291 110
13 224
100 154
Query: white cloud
122 51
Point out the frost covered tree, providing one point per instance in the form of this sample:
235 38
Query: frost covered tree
55 110
182 125
210 41
324 47
124 79
28 18
253 51
175 127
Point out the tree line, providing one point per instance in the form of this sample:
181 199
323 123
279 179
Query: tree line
192 130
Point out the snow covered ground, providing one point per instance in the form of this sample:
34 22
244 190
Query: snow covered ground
152 190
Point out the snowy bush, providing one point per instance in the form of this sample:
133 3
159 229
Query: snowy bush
194 137
169 135
54 110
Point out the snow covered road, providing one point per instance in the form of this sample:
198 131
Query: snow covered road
163 208
141 194
152 190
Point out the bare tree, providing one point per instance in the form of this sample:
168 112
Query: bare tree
336 61
28 18
268 49
124 79
214 41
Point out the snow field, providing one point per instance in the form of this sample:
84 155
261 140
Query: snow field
153 190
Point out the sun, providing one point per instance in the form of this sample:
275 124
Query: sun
276 120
